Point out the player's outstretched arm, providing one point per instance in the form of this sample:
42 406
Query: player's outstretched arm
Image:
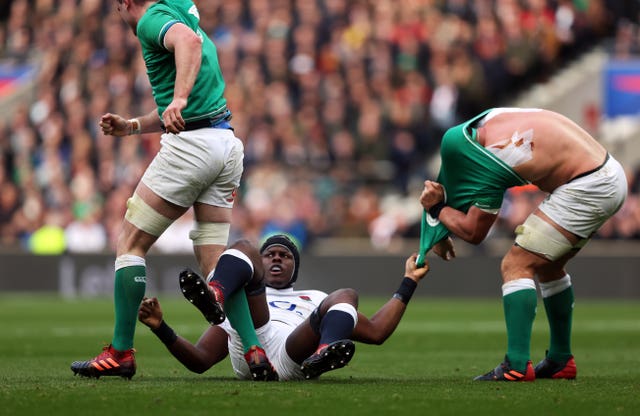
380 326
210 349
116 125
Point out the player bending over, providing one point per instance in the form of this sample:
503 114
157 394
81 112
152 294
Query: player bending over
481 159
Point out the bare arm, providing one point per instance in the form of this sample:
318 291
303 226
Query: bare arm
380 326
210 349
472 226
186 46
116 125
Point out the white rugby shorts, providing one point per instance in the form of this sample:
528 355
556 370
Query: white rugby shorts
203 165
582 205
273 337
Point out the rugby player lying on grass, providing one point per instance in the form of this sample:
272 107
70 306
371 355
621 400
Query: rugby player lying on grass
304 332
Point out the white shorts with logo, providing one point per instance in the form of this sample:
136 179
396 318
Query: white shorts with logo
203 165
273 337
582 205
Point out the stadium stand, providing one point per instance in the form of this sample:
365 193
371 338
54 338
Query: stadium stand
341 105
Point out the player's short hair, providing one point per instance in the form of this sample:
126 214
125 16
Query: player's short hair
286 242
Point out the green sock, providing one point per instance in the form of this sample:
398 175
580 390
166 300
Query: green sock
519 313
129 288
236 307
559 308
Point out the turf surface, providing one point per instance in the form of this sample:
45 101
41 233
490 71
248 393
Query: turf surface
426 367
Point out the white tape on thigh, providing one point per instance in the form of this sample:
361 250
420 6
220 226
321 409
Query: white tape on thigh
210 233
144 217
538 236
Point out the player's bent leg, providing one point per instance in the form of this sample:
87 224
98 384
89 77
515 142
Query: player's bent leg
239 269
340 316
146 218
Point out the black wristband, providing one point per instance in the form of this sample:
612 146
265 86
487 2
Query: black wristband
434 211
405 291
165 334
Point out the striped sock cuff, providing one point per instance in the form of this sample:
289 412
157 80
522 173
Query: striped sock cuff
128 260
556 286
517 285
346 308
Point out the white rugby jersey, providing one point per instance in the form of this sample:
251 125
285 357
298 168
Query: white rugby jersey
287 306
292 307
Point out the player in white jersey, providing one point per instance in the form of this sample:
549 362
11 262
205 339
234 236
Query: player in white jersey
304 332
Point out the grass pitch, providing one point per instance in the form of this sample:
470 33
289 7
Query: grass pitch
425 368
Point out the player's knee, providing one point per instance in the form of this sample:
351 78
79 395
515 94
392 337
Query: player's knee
519 263
345 295
246 247
252 253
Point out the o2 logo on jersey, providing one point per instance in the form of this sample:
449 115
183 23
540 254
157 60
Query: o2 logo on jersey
286 306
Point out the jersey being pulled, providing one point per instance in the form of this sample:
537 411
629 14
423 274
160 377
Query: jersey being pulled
206 99
470 175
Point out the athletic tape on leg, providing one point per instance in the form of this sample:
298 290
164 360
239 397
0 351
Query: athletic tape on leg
538 236
210 233
145 218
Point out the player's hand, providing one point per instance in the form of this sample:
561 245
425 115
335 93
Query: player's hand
444 249
432 193
114 125
150 313
172 116
412 271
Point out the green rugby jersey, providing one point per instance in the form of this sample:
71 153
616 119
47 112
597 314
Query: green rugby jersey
471 175
207 96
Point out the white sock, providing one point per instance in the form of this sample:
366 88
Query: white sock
555 286
516 285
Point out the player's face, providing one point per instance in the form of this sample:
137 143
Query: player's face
278 265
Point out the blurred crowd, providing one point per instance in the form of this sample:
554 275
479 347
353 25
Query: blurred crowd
341 105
